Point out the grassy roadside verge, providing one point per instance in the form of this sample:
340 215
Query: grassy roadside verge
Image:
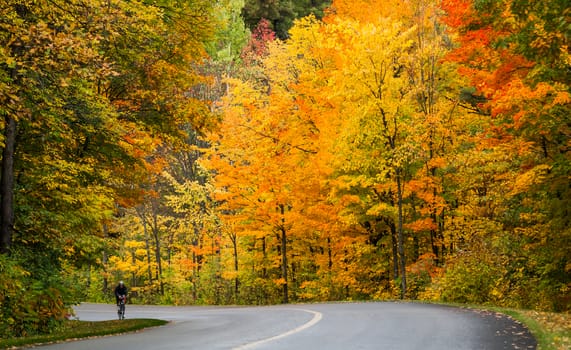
82 329
552 330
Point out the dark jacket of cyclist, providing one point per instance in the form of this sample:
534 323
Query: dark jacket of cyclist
120 290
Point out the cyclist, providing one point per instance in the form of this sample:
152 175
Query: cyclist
121 294
120 291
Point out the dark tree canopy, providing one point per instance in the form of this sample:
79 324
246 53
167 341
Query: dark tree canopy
281 13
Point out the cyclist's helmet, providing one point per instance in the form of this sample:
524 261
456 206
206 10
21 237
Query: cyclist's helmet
121 282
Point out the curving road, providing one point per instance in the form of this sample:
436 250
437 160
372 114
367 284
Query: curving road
336 326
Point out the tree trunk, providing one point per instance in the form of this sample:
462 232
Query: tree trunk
394 246
158 258
148 249
264 269
402 258
329 256
141 213
104 261
157 240
234 240
7 186
285 299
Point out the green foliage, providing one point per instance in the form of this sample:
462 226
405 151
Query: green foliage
281 13
504 269
30 306
469 280
12 282
81 329
93 88
523 60
232 35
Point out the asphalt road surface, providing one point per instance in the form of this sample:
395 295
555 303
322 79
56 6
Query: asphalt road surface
335 326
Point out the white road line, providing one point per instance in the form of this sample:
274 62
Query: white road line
316 318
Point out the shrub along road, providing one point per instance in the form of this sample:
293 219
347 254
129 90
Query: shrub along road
385 325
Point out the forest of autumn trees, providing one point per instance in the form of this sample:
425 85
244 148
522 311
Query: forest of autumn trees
239 153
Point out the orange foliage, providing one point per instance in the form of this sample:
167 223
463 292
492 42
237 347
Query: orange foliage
425 224
425 263
368 10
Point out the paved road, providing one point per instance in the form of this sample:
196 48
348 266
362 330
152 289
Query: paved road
336 326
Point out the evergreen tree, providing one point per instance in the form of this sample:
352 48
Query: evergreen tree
281 13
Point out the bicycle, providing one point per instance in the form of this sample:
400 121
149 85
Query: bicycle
121 307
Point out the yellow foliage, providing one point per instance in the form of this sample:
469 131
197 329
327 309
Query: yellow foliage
131 244
140 252
279 281
530 178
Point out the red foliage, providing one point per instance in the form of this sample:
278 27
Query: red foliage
458 12
258 44
493 69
